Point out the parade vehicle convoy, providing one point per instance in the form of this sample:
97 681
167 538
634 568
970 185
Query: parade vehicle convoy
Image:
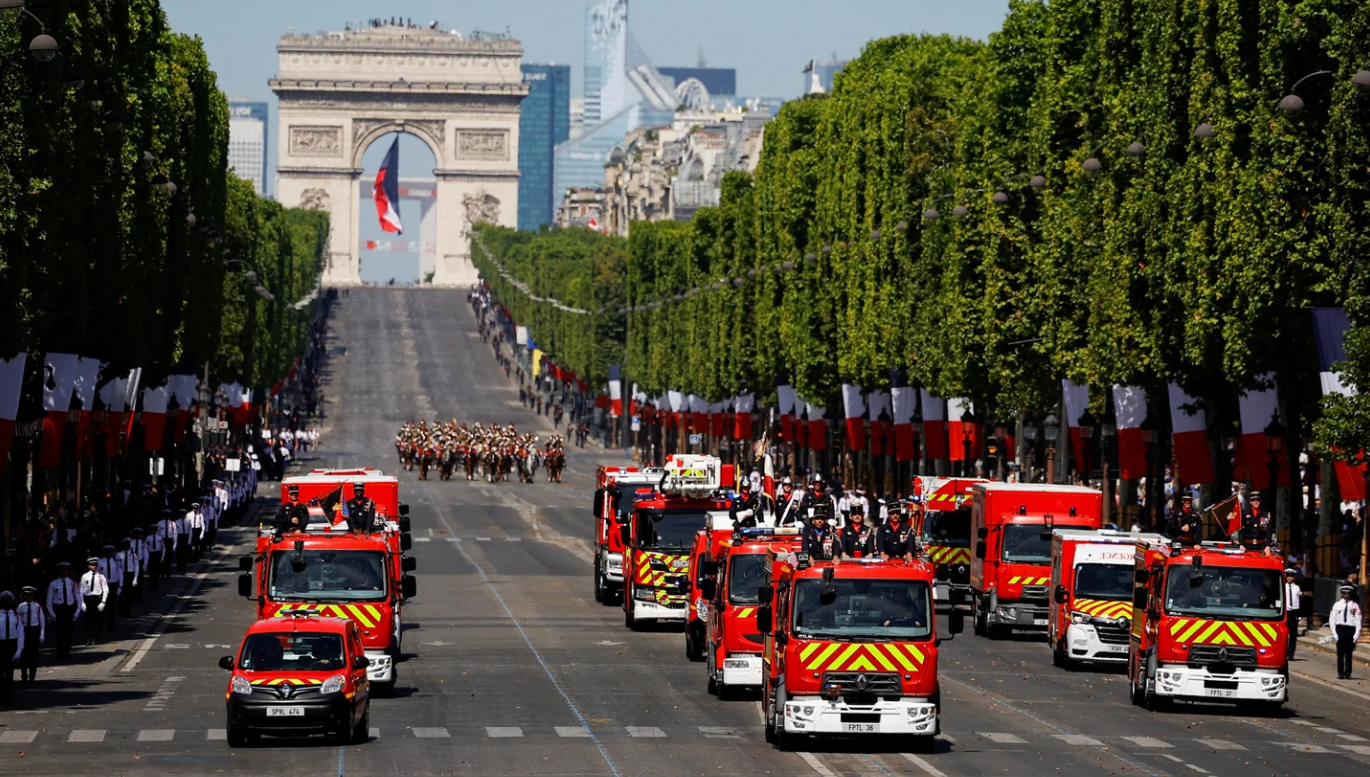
729 588
1091 599
1010 568
708 545
941 522
297 676
849 649
327 570
1209 625
659 534
617 490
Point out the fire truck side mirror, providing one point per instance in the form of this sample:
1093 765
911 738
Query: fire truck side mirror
708 588
765 594
707 569
245 585
982 532
245 564
405 526
409 586
981 549
765 619
598 503
226 663
956 622
1139 599
409 564
625 533
406 541
1061 594
404 512
1141 576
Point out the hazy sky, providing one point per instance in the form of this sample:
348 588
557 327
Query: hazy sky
767 41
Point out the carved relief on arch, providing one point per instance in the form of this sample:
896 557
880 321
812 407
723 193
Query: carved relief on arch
314 199
431 131
481 208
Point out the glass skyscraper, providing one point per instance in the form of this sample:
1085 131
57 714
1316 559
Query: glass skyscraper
247 141
544 122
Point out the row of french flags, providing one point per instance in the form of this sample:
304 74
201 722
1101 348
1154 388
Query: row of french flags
85 384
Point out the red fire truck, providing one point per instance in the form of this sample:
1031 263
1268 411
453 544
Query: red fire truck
617 490
941 521
328 571
849 649
708 547
1091 584
729 591
1011 566
658 537
1210 626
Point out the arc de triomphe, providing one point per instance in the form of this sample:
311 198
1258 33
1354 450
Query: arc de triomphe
339 92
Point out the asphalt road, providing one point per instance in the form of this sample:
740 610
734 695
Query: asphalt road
512 668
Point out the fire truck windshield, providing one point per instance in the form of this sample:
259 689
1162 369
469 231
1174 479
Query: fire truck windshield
1111 582
292 652
328 575
1023 543
862 609
746 573
1224 592
668 528
948 528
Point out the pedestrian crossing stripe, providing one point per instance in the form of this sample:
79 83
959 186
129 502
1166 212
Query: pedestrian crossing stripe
849 657
293 680
945 554
368 615
1198 631
1103 608
1016 579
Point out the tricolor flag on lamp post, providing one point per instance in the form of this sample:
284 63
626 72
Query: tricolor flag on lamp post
818 427
1190 438
59 380
1076 403
1258 409
855 411
386 190
785 400
615 391
154 417
1129 408
11 387
934 425
904 399
743 405
87 377
882 431
964 433
1329 328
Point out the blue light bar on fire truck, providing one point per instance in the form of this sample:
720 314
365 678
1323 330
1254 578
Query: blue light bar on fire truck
769 531
692 475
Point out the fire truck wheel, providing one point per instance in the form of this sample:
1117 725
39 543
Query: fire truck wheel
694 644
1152 701
1135 688
599 583
784 741
977 618
628 620
238 736
362 731
1058 657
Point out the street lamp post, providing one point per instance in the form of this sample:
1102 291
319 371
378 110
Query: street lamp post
1108 431
1152 468
1028 459
1087 424
1274 443
1000 465
1051 429
967 434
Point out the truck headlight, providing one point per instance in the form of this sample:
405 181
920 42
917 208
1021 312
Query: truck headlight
614 562
1079 617
240 684
333 684
1008 612
643 594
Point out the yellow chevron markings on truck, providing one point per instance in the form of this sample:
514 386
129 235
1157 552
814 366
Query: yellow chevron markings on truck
745 612
281 680
888 657
946 554
1028 580
368 615
1102 608
1198 631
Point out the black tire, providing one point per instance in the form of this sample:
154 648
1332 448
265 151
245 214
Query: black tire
629 621
237 736
694 644
599 583
1153 702
978 620
1058 657
362 731
1135 689
785 742
711 684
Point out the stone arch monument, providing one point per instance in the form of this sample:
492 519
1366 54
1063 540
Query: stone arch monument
339 92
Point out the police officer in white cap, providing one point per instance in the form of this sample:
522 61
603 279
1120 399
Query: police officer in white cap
11 643
113 571
34 622
94 597
1345 619
64 607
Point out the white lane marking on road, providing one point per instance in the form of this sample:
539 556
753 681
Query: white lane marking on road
503 732
1174 758
572 732
947 737
423 539
1198 769
1298 722
87 735
1351 737
1301 747
18 737
216 734
211 645
176 646
188 592
1001 738
374 733
513 539
645 732
432 733
1078 739
163 694
1327 730
719 732
817 765
1219 744
1149 742
482 539
1357 749
156 735
928 769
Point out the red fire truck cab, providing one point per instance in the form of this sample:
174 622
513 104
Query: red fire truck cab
1210 626
849 649
328 571
708 547
942 523
617 490
1011 566
1091 599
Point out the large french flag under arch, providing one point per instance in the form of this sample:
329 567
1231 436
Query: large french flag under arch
386 190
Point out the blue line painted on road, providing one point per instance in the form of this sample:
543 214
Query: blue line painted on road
342 761
1057 729
575 709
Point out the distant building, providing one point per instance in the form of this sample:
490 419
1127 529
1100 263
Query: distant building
247 141
577 116
827 71
544 122
720 81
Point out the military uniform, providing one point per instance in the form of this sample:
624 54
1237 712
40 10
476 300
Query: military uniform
896 540
858 540
361 511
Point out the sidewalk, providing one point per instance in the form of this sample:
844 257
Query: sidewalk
1315 668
